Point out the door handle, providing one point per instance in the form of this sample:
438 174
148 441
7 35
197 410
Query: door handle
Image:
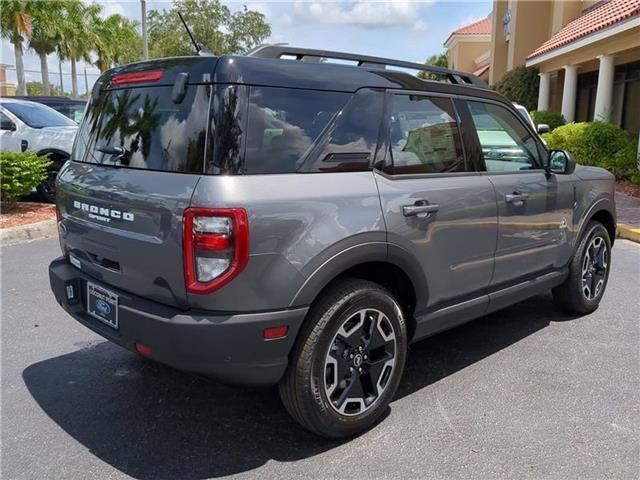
516 198
420 208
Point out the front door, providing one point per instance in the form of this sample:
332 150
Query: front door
535 208
9 141
435 209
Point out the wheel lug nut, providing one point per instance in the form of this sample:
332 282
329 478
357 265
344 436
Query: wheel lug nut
350 369
359 370
365 357
351 356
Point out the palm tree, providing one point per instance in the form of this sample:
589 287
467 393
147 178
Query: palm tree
114 37
47 30
15 25
77 37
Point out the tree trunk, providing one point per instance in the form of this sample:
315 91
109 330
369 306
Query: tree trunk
22 85
44 71
74 79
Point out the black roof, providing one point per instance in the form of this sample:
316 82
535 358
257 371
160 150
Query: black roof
300 73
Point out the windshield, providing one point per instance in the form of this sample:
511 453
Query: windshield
38 116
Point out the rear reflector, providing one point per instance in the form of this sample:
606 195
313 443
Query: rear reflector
274 333
138 77
215 247
143 350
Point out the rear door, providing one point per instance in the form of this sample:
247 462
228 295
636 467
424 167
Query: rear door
435 206
535 209
136 161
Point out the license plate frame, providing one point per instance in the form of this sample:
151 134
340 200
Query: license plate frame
102 304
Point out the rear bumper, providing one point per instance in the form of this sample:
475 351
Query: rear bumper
227 347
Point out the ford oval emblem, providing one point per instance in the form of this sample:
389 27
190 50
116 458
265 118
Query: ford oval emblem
103 307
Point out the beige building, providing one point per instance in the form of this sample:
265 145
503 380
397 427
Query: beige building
587 52
7 89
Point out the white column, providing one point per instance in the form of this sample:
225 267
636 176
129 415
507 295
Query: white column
569 92
545 91
604 92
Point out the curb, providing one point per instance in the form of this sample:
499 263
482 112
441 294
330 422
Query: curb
31 231
628 232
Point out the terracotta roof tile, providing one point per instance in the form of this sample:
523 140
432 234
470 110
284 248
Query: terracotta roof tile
481 27
597 18
481 71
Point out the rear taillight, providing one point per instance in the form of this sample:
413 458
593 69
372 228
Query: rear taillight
215 247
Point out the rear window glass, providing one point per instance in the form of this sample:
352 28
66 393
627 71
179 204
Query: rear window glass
143 128
283 125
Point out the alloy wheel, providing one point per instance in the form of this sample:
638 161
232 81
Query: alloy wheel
360 361
594 268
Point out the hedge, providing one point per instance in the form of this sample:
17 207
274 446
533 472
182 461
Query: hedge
553 119
598 144
520 85
20 173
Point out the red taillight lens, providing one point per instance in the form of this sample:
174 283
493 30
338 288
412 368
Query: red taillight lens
215 247
138 77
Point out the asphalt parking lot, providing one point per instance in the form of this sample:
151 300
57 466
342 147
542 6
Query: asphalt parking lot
523 393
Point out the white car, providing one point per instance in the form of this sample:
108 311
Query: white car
29 125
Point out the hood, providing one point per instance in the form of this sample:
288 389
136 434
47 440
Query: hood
593 173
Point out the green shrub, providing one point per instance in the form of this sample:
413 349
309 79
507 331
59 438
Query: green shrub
553 119
599 144
520 85
21 172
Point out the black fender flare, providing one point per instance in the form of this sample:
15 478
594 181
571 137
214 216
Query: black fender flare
602 204
59 153
352 256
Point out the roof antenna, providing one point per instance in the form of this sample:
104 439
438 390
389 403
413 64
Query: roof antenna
200 50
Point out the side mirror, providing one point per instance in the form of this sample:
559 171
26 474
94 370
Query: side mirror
8 125
562 162
543 128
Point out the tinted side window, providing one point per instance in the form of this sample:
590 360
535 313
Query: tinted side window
349 142
424 136
506 144
283 125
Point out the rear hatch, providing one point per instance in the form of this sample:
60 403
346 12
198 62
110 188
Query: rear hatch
137 158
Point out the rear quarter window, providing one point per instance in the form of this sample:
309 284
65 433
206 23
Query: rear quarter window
283 124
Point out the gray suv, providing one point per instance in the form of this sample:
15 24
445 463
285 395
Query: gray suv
275 219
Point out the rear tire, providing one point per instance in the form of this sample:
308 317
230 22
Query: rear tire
348 360
589 270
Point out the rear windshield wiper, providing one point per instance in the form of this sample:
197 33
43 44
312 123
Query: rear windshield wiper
121 153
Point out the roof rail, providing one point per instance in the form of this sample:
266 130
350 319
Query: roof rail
312 55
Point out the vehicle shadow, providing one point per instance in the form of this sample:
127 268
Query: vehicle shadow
151 422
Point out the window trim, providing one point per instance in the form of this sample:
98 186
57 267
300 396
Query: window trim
473 133
383 164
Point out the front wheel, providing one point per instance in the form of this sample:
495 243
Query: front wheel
583 289
348 361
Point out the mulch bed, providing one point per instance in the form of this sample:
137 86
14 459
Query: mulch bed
23 213
628 188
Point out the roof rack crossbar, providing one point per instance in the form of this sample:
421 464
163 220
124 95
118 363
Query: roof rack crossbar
313 55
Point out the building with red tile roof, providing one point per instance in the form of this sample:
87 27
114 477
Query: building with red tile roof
587 53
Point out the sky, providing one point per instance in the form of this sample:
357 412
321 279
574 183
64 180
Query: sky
403 30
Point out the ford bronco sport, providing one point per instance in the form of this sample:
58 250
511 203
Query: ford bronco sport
274 219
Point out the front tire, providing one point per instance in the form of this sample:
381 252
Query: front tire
589 270
47 189
348 360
